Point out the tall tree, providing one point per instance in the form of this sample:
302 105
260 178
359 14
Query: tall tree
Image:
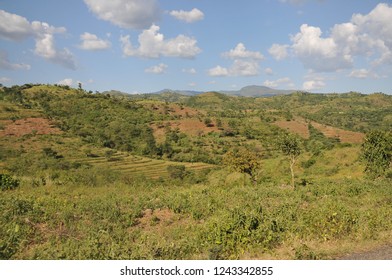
290 145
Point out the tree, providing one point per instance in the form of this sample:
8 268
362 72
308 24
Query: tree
377 152
176 171
290 146
243 161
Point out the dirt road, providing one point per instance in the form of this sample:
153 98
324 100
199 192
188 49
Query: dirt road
382 253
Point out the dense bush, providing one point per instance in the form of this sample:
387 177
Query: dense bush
8 183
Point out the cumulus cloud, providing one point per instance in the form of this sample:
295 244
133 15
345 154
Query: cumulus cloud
313 85
16 28
91 42
245 63
282 82
189 17
66 82
244 68
317 53
360 74
240 52
189 71
279 52
364 36
238 68
5 64
268 71
218 71
46 48
133 14
157 69
153 44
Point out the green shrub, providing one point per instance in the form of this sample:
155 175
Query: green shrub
8 183
176 171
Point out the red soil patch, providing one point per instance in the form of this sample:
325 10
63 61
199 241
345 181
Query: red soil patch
192 127
28 126
299 127
344 136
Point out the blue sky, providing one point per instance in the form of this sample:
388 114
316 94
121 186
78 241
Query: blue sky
149 45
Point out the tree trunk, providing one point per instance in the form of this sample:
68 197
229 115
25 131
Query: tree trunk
292 162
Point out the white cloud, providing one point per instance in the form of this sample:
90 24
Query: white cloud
362 74
66 82
46 48
240 52
268 71
189 17
157 69
238 68
364 36
134 14
285 82
315 84
14 27
189 71
91 42
245 63
5 64
218 71
244 68
153 45
279 52
317 53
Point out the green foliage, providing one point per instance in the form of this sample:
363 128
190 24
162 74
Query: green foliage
290 145
377 152
8 183
176 171
243 161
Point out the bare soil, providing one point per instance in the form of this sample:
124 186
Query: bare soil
382 253
22 127
300 127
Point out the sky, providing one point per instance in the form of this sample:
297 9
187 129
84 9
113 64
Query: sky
141 46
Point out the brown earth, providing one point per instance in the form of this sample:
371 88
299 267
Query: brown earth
192 127
295 126
300 127
345 136
382 253
22 127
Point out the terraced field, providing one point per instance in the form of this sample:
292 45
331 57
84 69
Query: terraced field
140 166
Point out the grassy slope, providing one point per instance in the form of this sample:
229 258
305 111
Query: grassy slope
106 207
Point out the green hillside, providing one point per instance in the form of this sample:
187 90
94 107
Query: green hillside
106 176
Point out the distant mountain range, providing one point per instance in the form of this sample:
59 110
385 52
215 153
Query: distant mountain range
257 91
248 91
